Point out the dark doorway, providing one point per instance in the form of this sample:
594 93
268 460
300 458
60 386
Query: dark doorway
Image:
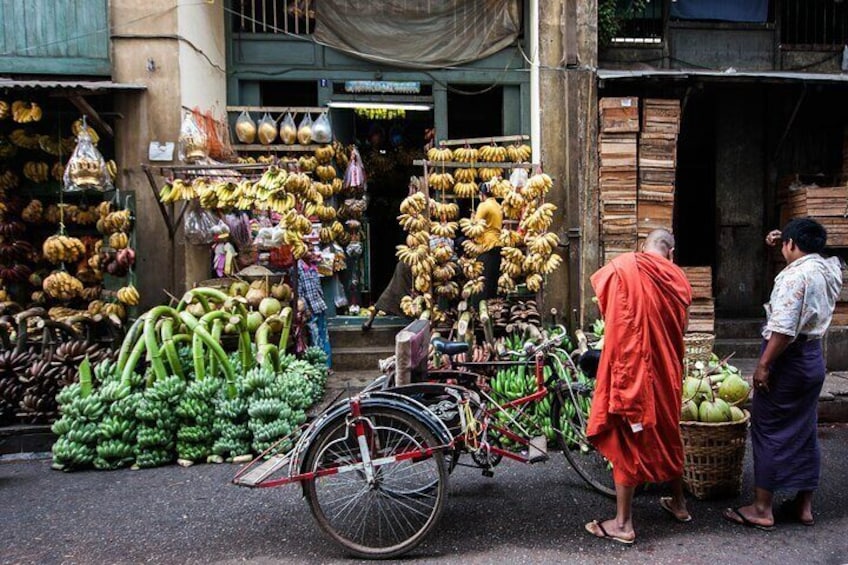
479 114
289 93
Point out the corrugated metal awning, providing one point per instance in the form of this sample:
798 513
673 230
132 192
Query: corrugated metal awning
731 75
89 86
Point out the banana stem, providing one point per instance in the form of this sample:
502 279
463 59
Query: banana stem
263 347
217 330
129 341
197 342
203 295
170 350
200 331
268 357
159 370
132 361
286 315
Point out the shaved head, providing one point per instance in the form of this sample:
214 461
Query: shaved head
661 242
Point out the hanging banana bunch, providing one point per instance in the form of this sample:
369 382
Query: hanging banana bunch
538 185
492 154
519 153
440 154
466 155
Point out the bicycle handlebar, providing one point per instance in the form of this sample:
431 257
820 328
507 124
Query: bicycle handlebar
531 348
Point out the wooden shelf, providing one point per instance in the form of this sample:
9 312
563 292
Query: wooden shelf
484 140
259 147
294 109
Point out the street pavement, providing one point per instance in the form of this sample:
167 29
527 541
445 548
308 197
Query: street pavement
525 514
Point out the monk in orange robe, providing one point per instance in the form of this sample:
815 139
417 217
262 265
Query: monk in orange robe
635 416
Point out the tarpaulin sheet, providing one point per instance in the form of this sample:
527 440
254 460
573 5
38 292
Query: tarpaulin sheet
723 10
418 34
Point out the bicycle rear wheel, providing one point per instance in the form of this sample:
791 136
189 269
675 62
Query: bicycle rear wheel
390 515
570 415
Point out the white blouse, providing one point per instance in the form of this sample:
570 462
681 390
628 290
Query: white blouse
804 297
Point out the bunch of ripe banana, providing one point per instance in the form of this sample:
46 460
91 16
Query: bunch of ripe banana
324 213
513 204
177 190
325 154
473 227
537 185
538 219
57 171
330 232
510 238
111 222
442 154
466 155
295 226
325 172
33 212
119 240
414 307
298 183
445 270
443 210
36 171
23 139
63 249
416 221
488 173
443 229
62 286
128 295
465 186
50 145
76 127
307 164
8 181
441 181
493 154
25 112
500 187
112 169
512 261
5 110
519 153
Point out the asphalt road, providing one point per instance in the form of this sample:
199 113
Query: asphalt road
523 515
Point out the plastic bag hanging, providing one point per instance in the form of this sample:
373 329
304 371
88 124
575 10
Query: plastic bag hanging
201 226
245 128
267 132
321 130
193 144
304 130
288 130
86 169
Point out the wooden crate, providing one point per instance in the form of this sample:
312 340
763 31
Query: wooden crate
618 150
660 115
618 179
619 115
818 202
614 248
840 314
654 179
702 316
658 150
701 281
652 215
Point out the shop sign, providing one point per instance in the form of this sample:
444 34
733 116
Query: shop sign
382 87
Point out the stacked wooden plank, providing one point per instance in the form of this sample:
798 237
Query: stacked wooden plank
657 164
618 177
840 314
827 205
702 310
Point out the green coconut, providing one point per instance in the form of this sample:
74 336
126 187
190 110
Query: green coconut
697 389
254 319
270 306
733 389
238 288
689 411
736 414
714 411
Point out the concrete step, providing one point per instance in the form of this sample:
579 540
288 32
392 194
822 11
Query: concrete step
351 382
360 358
743 348
354 336
738 328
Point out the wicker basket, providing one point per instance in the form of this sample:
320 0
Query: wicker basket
698 347
712 457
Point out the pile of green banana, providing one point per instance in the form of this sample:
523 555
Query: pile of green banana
196 412
158 422
77 428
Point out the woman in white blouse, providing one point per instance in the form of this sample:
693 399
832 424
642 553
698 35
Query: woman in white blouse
789 378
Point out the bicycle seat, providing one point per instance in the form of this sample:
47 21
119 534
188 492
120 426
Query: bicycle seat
449 348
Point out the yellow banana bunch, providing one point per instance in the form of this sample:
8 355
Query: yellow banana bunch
36 171
50 145
472 248
326 172
465 175
472 227
62 286
519 153
417 238
543 243
513 205
76 128
473 287
443 254
414 203
57 171
114 222
505 283
115 309
413 307
324 189
466 155
325 213
280 202
448 289
488 173
413 223
534 282
424 267
128 295
512 255
118 240
443 229
540 220
8 180
444 210
112 169
466 189
23 139
512 270
177 190
538 185
298 183
471 268
441 181
307 164
501 187
104 208
25 112
444 273
422 282
338 185
4 110
439 154
62 249
493 154
325 154
86 216
33 213
412 255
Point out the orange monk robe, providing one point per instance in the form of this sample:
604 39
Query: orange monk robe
643 299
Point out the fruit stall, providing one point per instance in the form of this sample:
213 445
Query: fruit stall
66 251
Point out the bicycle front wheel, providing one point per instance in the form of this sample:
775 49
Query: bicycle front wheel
570 415
388 514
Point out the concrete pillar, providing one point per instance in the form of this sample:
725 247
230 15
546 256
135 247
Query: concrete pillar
178 53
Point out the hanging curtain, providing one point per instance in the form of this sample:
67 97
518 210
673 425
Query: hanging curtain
722 10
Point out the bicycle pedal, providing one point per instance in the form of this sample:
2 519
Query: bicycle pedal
537 451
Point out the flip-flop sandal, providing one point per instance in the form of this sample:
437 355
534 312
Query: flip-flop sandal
788 512
665 504
590 527
731 515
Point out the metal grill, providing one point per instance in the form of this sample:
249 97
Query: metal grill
294 17
814 24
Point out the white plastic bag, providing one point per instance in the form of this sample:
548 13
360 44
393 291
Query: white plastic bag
86 169
193 143
288 130
304 130
267 130
321 130
518 178
245 128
